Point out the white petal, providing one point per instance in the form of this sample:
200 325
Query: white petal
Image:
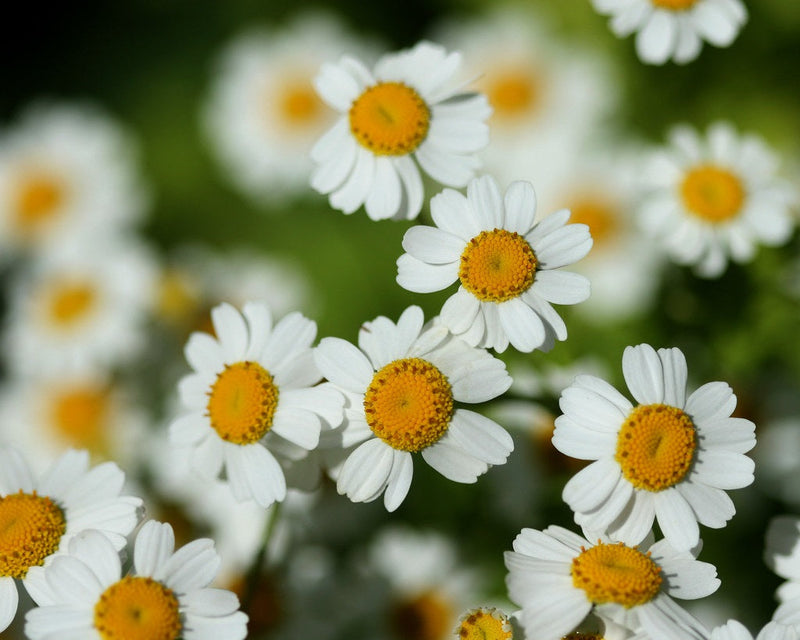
520 207
191 567
336 86
259 324
203 353
522 325
420 277
384 198
154 544
453 462
561 247
343 364
399 480
68 469
636 521
9 599
292 335
643 374
459 311
211 603
674 370
588 489
103 481
561 287
230 627
413 194
231 331
297 425
261 473
690 579
723 470
574 440
732 434
656 41
188 429
712 507
352 194
366 471
676 519
207 457
485 200
555 613
714 23
433 245
480 437
452 213
15 475
710 401
447 168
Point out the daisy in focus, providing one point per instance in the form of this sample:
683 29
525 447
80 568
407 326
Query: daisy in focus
506 264
408 111
65 169
710 198
252 396
402 383
558 578
669 458
674 29
39 516
263 115
735 630
164 597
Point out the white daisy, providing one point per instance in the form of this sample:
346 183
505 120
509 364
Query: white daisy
669 458
505 262
262 115
734 630
782 555
674 29
164 597
407 111
402 386
252 396
65 169
708 199
82 307
558 578
38 517
485 623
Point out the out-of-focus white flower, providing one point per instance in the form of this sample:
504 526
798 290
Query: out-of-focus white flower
735 630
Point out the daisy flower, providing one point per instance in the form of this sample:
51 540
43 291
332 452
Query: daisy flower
708 199
164 597
251 396
669 457
484 624
674 29
406 111
505 263
735 630
402 384
38 517
558 578
65 168
782 555
262 114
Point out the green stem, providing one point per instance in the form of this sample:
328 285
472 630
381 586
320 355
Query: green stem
254 572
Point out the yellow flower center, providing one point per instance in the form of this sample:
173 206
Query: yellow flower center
31 527
71 302
616 573
299 104
599 215
712 193
513 93
426 617
390 119
38 198
80 415
409 404
655 446
497 266
242 402
484 624
673 5
135 608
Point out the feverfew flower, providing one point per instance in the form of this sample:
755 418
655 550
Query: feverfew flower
262 115
38 517
164 597
734 630
674 29
505 262
782 555
669 458
408 110
708 199
558 578
402 386
65 169
252 395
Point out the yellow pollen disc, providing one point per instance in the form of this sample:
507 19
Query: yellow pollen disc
497 266
712 193
71 302
655 446
673 5
409 404
484 624
513 93
135 608
616 573
426 617
390 119
599 215
38 199
80 415
31 527
242 403
299 104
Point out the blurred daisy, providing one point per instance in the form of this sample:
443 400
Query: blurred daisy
734 630
65 169
708 199
504 261
547 97
782 555
82 307
777 459
402 384
558 578
164 597
38 517
409 110
669 458
674 29
262 115
43 415
251 396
